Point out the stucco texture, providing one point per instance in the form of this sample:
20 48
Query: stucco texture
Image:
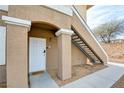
52 48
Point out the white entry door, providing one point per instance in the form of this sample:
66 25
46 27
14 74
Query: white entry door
37 54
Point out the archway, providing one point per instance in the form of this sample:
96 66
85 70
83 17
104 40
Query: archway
43 50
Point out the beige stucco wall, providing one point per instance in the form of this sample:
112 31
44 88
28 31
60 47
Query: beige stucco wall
2 73
78 57
82 9
1 14
40 13
64 62
17 56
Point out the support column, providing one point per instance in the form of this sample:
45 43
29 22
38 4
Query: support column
64 46
17 52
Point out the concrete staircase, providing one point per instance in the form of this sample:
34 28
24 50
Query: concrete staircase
85 40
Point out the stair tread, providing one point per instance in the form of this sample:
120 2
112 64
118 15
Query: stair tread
81 44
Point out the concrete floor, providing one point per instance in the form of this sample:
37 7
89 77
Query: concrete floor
42 81
101 79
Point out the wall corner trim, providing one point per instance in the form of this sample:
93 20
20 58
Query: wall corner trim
16 21
64 31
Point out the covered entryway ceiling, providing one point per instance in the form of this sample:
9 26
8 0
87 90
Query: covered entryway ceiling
45 25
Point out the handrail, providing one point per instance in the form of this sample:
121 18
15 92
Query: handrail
87 28
85 23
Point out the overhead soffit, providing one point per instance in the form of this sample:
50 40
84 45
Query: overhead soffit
44 25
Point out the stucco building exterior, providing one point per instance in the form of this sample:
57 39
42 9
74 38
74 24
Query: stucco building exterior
51 37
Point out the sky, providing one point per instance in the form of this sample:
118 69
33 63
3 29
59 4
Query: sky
100 14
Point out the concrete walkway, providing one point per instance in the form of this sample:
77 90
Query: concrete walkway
101 79
104 78
42 81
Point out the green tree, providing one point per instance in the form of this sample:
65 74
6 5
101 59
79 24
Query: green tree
108 31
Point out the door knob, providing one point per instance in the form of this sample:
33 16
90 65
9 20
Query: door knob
44 51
